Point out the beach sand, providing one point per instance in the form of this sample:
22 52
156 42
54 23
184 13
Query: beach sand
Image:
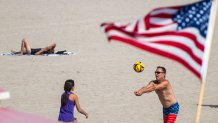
102 70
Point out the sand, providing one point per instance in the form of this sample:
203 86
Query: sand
105 80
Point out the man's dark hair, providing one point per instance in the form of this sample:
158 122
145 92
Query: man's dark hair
163 69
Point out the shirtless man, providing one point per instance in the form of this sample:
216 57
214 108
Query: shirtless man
165 93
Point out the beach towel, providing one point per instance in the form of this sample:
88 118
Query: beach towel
58 53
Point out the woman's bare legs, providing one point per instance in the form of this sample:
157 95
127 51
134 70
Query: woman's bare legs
25 47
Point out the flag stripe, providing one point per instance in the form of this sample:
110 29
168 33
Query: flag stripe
162 15
178 51
160 21
191 50
158 52
183 47
165 10
157 13
188 46
153 26
143 28
184 34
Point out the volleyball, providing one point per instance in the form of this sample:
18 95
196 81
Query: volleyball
138 66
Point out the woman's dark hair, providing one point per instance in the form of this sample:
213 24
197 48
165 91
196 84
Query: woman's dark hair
50 51
69 84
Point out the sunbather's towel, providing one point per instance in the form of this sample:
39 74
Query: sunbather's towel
59 53
6 54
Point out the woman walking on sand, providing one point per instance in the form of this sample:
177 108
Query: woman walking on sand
68 101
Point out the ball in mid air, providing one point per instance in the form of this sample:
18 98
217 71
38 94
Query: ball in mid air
138 66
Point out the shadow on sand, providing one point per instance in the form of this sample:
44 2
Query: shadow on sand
211 106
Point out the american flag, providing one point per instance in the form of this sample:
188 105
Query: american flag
178 33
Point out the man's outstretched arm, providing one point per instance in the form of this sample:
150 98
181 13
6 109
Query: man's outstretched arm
151 87
145 89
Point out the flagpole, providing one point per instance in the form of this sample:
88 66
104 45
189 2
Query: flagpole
206 57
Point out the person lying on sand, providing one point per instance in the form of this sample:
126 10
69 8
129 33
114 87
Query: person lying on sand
27 50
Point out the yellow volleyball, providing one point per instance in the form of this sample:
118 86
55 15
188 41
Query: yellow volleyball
138 66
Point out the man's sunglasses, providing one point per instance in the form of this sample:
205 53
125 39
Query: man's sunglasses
157 72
